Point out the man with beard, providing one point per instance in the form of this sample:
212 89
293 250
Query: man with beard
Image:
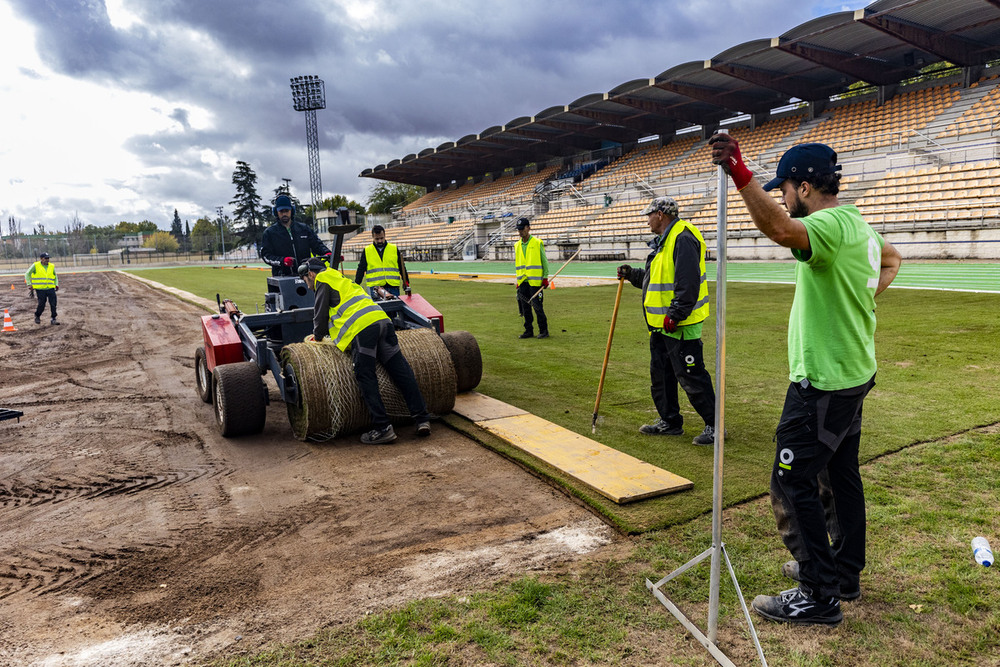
382 265
842 265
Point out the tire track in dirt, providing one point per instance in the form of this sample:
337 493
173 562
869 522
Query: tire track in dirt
122 510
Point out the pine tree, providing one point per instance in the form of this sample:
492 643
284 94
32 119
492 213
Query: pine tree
175 227
246 204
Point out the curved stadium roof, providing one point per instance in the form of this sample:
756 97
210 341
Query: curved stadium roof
884 43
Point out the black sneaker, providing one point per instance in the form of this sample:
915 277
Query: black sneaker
794 606
791 570
423 429
706 437
544 334
527 334
54 322
38 320
379 436
661 428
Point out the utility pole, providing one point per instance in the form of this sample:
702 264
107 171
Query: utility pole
308 95
286 188
222 236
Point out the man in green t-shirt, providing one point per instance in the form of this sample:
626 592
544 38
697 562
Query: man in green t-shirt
842 265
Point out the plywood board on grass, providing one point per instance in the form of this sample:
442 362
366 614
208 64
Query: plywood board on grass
614 474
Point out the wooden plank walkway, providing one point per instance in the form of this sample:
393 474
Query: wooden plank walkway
613 474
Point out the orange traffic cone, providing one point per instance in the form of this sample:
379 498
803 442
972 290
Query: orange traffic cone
12 287
552 284
8 325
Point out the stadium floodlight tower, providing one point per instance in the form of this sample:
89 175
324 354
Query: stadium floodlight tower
308 95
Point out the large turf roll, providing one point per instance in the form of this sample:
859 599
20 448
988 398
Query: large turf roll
466 358
330 400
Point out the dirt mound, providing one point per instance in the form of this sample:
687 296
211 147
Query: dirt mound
132 533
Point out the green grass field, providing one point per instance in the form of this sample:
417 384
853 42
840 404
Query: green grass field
930 477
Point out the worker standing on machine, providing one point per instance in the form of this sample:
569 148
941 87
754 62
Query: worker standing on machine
381 265
286 243
347 315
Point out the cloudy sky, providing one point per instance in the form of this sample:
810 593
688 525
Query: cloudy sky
128 109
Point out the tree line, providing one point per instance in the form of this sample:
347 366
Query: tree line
241 227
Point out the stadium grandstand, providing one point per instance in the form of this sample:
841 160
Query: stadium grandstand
906 91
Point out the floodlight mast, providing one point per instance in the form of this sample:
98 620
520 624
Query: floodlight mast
308 95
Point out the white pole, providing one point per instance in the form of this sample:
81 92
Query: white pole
720 405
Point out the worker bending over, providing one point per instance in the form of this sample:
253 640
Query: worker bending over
352 320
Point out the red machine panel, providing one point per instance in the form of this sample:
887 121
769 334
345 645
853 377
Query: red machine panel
419 304
222 343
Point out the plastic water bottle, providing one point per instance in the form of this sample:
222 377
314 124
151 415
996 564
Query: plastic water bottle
981 551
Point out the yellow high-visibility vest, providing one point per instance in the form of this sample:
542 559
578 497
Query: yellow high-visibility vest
528 262
660 291
41 277
382 270
355 311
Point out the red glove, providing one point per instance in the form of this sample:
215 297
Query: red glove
545 282
726 154
57 288
328 258
289 262
669 325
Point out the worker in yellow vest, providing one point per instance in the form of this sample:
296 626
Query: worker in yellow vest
675 303
352 320
531 274
42 282
381 265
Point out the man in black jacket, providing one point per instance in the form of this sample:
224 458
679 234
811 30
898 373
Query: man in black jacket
675 303
286 243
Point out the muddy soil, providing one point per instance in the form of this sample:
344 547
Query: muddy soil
132 533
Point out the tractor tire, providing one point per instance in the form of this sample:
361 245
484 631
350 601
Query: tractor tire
202 377
240 405
465 355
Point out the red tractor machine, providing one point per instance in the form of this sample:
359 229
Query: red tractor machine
240 348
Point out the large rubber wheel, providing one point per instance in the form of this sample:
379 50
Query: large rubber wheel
240 407
202 376
465 355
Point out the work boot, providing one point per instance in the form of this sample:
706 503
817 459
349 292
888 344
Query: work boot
794 606
54 321
423 429
847 592
661 428
379 436
544 334
527 334
38 320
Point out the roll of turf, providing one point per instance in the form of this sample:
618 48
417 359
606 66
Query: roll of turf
330 402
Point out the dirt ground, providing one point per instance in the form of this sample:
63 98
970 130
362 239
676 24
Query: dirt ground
132 533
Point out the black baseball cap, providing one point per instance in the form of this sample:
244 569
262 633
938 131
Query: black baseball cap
522 223
802 161
45 255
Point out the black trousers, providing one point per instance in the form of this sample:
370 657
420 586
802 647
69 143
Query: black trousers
673 362
817 495
524 292
44 295
378 343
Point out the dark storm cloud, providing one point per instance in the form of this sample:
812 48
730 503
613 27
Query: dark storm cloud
288 29
410 76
